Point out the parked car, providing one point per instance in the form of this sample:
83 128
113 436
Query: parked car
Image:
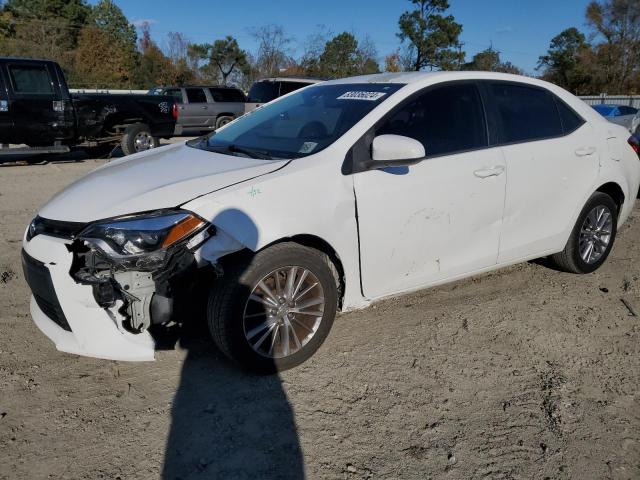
36 109
328 199
628 117
267 89
202 108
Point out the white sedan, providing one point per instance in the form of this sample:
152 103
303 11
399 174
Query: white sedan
327 199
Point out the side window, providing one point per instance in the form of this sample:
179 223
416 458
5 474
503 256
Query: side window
527 113
227 95
31 79
571 121
176 93
196 95
627 110
288 87
445 120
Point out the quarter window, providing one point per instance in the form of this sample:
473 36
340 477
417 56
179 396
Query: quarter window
570 120
527 113
445 120
196 95
175 93
226 95
31 79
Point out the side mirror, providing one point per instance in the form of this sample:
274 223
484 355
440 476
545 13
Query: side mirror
396 151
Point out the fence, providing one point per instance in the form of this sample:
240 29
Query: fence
629 100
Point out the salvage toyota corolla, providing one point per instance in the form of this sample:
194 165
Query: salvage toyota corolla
327 199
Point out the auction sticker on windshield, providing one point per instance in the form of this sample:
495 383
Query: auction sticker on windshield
369 96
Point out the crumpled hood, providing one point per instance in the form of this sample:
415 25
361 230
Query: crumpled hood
158 178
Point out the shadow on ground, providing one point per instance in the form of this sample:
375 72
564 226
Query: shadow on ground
226 423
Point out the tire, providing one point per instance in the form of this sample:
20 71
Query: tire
229 302
223 120
570 259
138 138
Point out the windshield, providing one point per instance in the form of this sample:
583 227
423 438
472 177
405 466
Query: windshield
301 124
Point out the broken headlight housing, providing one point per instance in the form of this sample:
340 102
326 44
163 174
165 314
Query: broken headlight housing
142 241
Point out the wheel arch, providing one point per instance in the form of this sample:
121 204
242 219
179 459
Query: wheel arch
615 191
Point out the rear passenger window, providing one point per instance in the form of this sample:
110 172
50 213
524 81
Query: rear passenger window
445 120
527 113
288 87
31 79
226 95
196 95
571 121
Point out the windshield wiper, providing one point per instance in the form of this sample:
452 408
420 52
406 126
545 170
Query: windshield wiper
249 152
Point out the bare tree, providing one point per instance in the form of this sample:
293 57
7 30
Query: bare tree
273 49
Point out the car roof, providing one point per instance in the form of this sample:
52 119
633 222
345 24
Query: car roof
227 87
308 80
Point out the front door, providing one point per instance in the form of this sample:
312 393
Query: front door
6 122
36 105
195 113
442 217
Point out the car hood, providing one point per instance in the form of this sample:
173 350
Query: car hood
161 178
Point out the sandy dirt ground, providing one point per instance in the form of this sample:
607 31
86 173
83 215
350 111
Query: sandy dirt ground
526 373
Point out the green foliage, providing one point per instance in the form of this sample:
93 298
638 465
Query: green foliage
225 57
432 38
109 18
343 57
489 61
565 62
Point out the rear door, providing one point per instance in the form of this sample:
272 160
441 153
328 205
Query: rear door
228 100
36 105
6 122
552 162
196 113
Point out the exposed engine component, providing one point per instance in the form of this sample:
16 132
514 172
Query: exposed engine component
137 289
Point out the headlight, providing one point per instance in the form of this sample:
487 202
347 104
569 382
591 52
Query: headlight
142 239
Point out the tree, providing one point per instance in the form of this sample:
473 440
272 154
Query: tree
225 57
99 62
342 57
489 61
617 24
108 17
313 48
42 28
564 64
392 62
432 38
273 49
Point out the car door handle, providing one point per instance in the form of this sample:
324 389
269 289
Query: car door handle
489 172
584 151
204 107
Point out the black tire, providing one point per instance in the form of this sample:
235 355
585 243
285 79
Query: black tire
223 120
228 298
569 260
129 139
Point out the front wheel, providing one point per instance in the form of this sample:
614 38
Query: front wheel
272 311
138 138
592 237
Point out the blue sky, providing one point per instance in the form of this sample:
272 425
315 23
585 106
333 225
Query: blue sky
519 29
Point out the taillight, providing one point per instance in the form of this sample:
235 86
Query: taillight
635 144
174 111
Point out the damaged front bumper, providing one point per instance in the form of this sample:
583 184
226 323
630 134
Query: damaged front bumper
67 312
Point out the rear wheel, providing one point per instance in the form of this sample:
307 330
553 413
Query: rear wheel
272 312
592 237
138 138
222 121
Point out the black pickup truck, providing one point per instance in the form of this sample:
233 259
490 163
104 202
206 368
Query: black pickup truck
37 110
